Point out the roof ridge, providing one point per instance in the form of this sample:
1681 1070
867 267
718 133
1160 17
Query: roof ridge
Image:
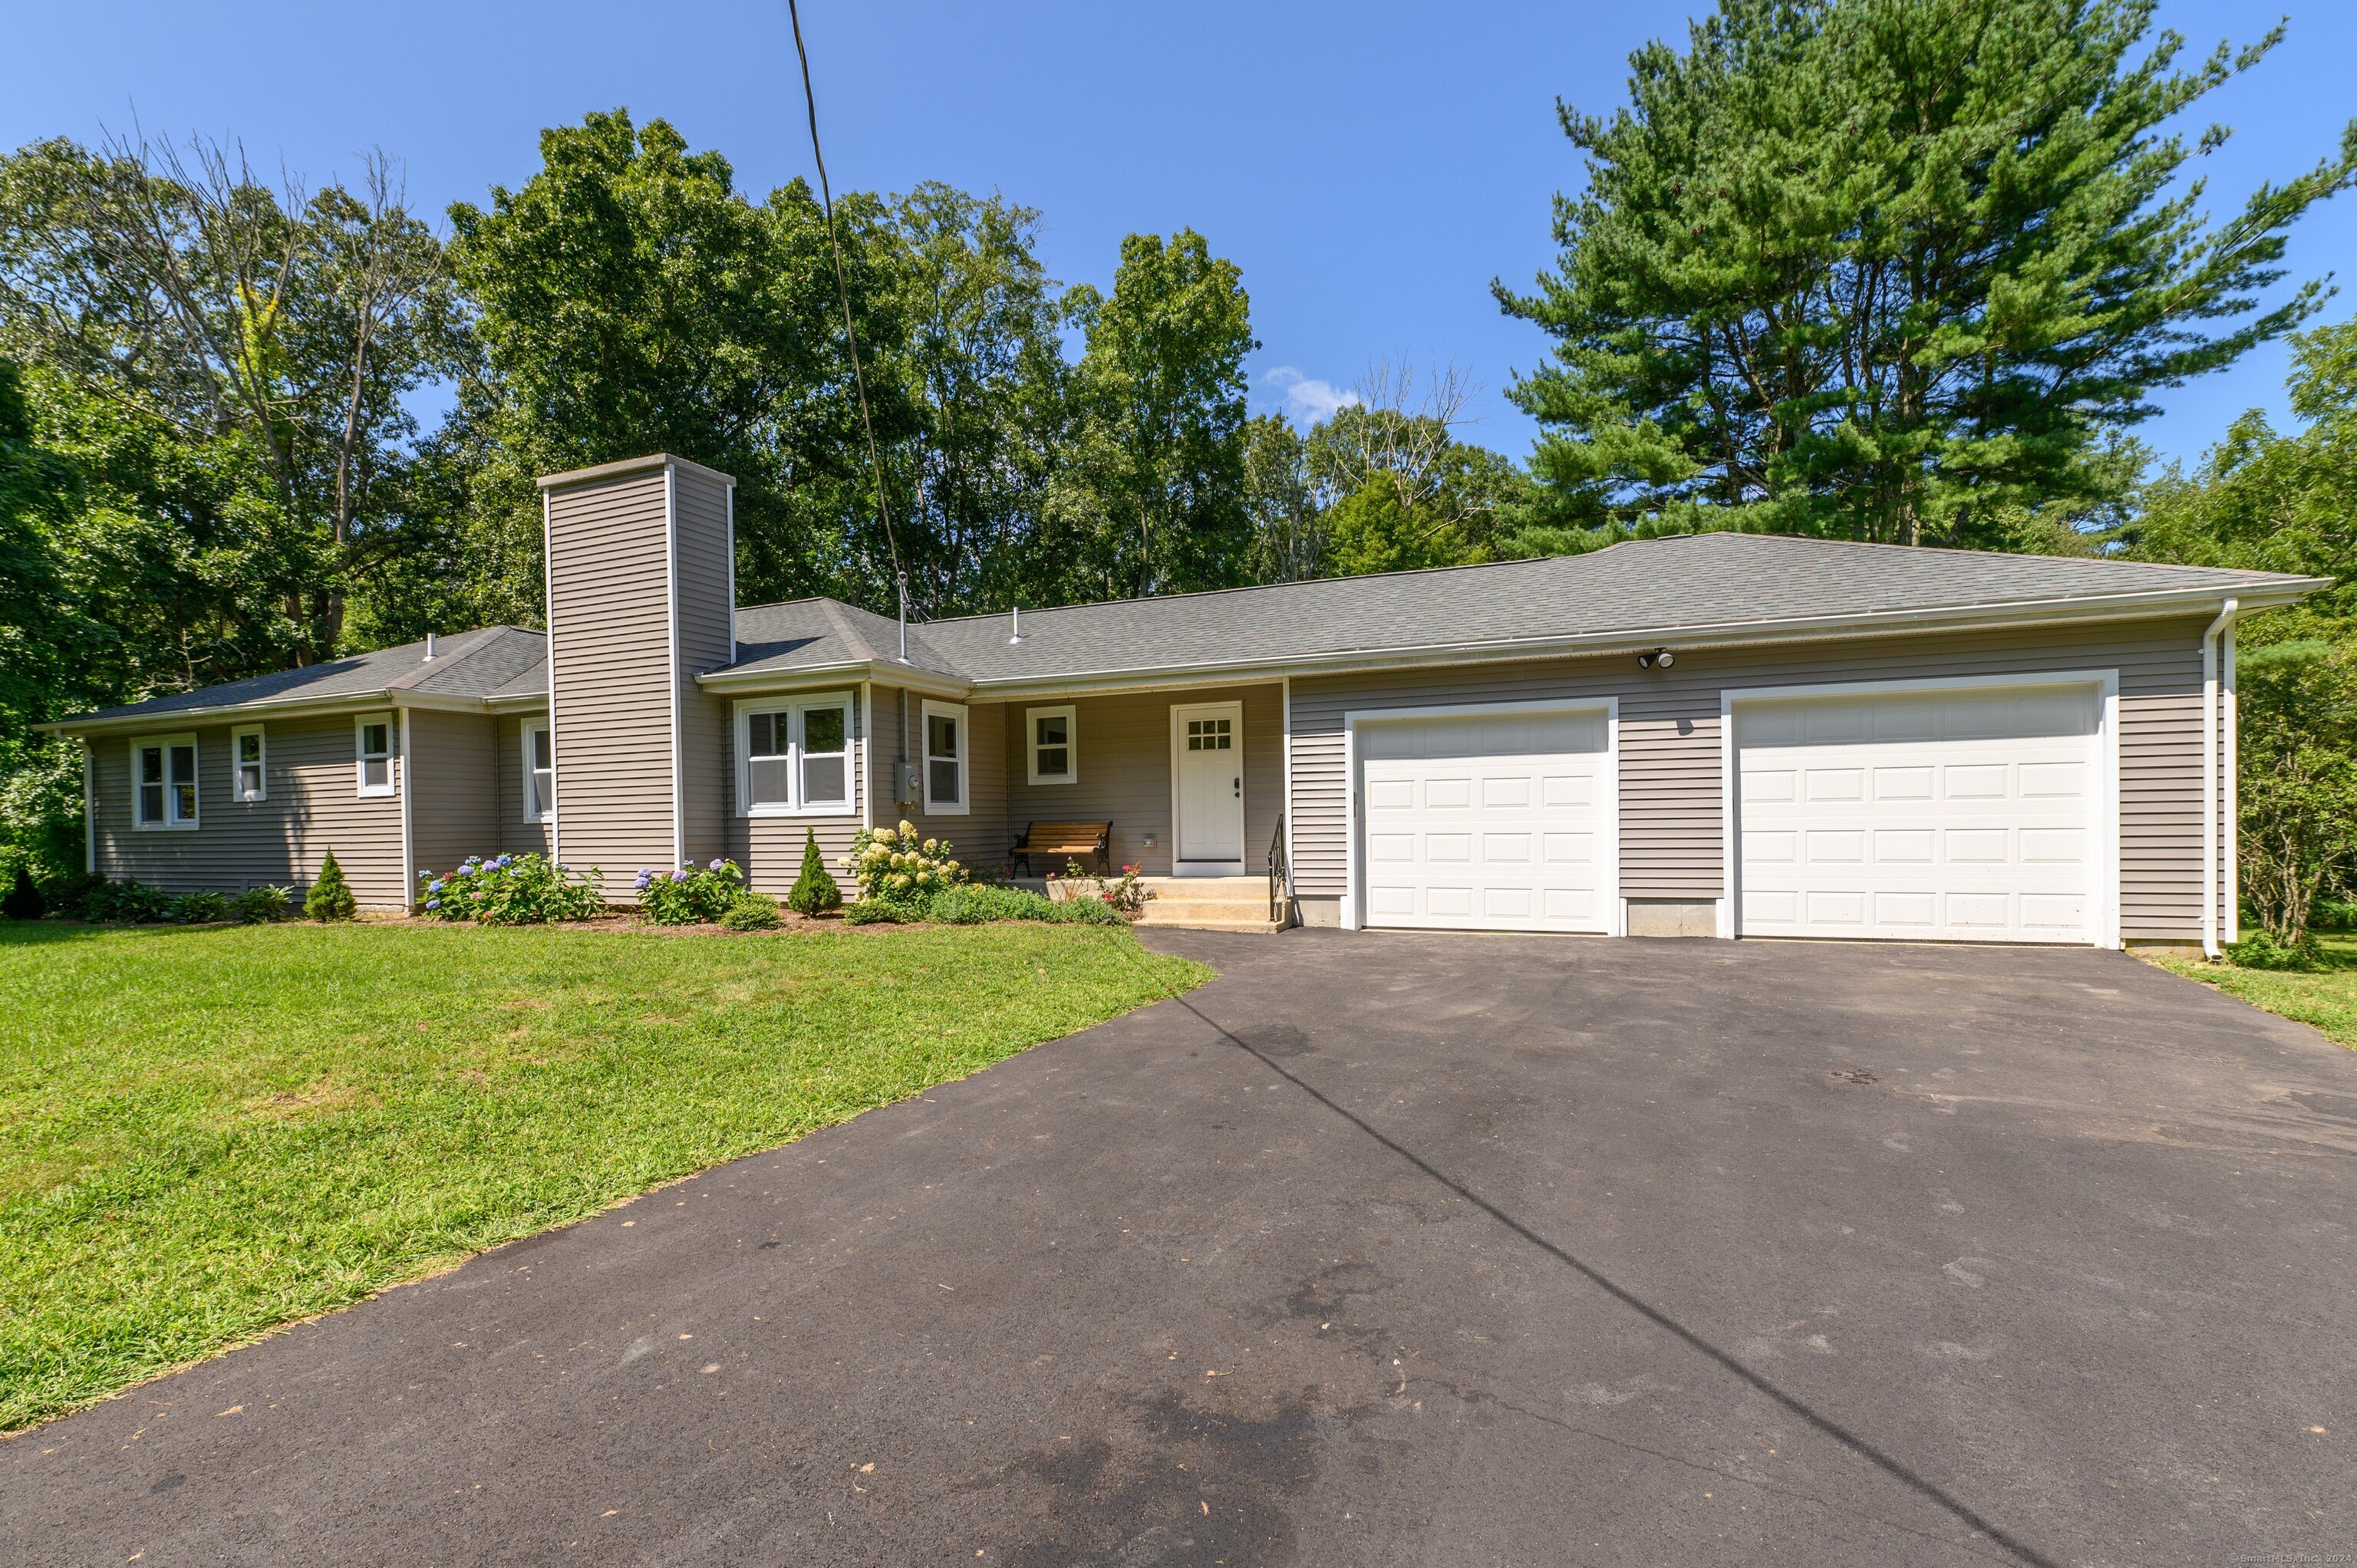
441 663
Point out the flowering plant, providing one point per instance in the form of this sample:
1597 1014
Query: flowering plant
901 865
690 894
1122 892
511 890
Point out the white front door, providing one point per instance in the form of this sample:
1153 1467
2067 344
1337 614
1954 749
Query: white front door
1208 749
1970 814
1498 822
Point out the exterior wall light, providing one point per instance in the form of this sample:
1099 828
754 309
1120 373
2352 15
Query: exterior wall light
1660 658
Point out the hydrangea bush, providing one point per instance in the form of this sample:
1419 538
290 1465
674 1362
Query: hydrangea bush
513 890
898 865
689 894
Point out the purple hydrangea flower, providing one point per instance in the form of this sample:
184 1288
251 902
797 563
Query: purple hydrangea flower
504 862
434 903
715 866
645 877
466 870
434 887
679 876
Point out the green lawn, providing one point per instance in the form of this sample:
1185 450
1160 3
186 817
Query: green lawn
205 1132
2325 999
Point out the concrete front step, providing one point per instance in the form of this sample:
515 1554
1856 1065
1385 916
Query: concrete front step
1209 903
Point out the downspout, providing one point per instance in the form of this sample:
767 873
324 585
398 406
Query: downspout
2210 791
2230 823
90 806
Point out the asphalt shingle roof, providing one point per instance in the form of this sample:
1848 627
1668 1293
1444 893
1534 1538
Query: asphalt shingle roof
493 660
1722 582
1659 586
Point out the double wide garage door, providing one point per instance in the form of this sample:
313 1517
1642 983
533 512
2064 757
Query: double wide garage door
1971 815
1489 822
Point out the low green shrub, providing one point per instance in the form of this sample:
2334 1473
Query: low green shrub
2265 950
260 906
872 912
752 912
689 894
814 891
973 903
126 904
331 898
513 890
200 908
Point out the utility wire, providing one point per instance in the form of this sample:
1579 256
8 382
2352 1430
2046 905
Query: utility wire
850 334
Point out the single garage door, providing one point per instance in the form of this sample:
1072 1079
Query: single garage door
1489 822
1966 815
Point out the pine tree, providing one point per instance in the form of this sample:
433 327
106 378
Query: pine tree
814 891
1894 270
331 898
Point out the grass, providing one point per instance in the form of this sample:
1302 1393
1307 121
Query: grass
2325 998
209 1132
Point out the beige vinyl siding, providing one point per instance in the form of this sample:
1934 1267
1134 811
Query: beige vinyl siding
1123 744
610 647
515 834
454 771
981 834
701 538
314 804
770 849
1670 807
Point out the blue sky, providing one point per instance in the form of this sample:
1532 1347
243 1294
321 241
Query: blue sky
1370 167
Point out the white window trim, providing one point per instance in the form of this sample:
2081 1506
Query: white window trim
854 741
963 804
391 785
529 793
1069 713
1608 893
237 764
189 739
2105 807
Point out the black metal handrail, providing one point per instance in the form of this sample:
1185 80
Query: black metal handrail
1279 874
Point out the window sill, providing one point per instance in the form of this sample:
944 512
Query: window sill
166 827
1055 780
842 809
933 811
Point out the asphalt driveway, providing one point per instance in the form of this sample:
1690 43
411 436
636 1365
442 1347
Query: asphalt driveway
1381 1248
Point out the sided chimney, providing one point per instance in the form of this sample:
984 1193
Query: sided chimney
641 598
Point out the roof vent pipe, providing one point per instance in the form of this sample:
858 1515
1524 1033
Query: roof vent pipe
429 645
1017 634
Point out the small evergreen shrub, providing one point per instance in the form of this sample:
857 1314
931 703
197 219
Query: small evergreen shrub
125 903
513 890
262 906
814 891
690 894
754 912
900 865
331 898
24 901
200 908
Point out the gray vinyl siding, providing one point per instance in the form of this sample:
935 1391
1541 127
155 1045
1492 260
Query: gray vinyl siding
770 849
1670 764
1123 744
700 537
454 768
981 833
516 835
610 646
312 805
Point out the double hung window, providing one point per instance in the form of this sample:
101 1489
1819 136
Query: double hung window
164 781
797 755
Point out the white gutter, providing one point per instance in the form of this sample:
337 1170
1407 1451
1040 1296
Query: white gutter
2210 792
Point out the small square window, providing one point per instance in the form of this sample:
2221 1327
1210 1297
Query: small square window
372 739
945 761
245 749
1053 746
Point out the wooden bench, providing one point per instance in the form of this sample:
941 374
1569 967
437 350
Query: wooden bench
1056 843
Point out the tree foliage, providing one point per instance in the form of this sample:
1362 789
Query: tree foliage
1891 270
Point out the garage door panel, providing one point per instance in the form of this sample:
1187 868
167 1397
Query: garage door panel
1963 816
1486 823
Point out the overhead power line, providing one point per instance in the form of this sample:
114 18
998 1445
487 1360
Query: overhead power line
850 333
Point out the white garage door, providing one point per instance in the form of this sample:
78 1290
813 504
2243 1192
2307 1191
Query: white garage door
1489 822
1961 815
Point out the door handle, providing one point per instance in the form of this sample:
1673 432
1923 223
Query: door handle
1239 788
